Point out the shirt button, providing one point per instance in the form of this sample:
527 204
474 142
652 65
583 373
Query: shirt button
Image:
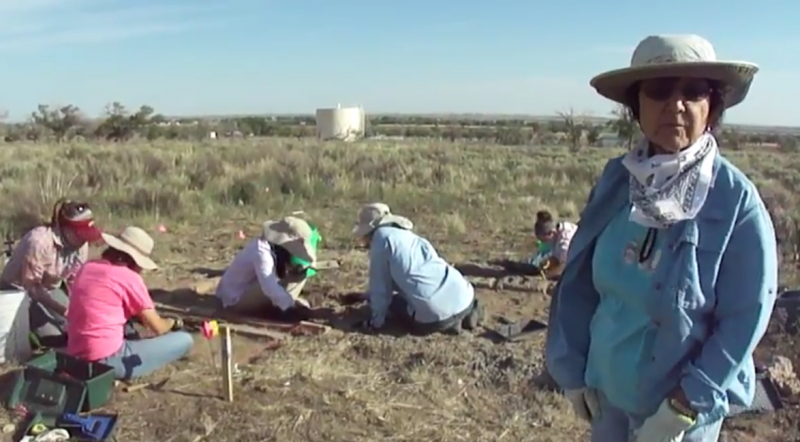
658 286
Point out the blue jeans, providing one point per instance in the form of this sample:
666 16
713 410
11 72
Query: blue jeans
141 357
614 425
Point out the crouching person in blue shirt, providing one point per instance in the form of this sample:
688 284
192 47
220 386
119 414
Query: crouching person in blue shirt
671 277
409 281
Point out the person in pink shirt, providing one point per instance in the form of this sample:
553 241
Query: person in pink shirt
105 294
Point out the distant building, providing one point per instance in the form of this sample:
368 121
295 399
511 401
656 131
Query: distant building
610 140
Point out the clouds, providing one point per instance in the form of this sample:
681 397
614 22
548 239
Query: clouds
28 25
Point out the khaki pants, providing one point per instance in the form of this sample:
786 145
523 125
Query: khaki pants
254 299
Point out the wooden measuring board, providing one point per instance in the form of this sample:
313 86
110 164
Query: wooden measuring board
244 325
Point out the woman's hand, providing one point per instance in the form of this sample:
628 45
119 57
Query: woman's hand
177 323
41 295
680 403
584 402
159 325
666 425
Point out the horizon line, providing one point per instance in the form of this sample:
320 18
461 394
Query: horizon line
472 115
497 116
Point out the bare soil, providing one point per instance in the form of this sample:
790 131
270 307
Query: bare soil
350 387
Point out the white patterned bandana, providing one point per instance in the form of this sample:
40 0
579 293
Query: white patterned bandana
665 189
69 257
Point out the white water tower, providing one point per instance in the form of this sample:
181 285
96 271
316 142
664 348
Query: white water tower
341 123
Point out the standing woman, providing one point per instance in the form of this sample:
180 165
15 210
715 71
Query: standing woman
43 263
672 274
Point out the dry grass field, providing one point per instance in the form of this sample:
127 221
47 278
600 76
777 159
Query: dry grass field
475 202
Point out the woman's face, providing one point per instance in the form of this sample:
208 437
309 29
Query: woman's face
674 112
73 239
363 242
545 237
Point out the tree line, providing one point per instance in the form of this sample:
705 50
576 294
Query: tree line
119 124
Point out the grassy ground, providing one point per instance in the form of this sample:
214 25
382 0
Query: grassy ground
474 202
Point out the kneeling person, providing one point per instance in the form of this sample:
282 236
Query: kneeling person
555 239
409 280
107 293
271 271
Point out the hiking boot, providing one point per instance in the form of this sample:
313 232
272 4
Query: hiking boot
474 318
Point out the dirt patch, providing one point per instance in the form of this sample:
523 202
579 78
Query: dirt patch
353 387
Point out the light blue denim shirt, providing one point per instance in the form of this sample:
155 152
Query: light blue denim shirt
401 261
711 296
622 331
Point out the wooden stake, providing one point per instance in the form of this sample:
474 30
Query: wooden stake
227 361
135 387
326 265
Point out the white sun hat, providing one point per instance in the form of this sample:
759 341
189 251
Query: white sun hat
693 56
136 243
373 215
293 234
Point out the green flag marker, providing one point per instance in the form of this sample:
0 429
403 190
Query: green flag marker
542 247
315 240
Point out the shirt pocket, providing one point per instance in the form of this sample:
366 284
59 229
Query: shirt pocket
701 252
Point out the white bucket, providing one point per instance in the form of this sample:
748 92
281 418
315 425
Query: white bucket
15 344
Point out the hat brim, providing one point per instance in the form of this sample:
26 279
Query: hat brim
361 230
138 257
736 75
296 246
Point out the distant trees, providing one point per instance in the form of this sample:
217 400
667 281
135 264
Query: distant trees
624 125
120 124
574 129
63 122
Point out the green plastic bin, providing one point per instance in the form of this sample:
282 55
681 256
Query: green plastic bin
57 378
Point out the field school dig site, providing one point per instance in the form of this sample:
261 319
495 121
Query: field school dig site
472 190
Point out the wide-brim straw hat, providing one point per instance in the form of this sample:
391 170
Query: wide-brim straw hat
293 234
136 243
692 56
373 215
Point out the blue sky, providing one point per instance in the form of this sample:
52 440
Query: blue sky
199 57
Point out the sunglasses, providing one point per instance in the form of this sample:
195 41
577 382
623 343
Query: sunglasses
663 88
80 208
72 209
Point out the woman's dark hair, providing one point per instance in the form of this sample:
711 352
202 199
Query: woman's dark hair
716 103
544 223
282 259
117 257
543 216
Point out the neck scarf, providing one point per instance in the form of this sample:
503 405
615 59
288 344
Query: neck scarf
69 257
665 189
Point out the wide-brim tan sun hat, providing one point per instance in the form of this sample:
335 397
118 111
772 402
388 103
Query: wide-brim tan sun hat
659 56
373 215
293 234
136 243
